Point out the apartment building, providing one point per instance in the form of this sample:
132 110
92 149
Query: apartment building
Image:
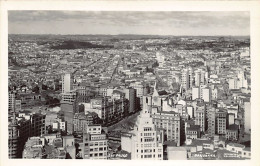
95 143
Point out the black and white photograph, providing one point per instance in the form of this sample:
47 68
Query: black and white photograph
129 85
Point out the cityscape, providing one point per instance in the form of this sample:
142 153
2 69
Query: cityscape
128 86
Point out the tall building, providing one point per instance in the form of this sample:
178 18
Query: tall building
145 142
95 143
38 127
221 117
11 104
247 116
200 77
211 122
142 89
66 83
13 139
195 93
170 122
68 108
205 94
202 92
238 81
68 101
200 117
187 78
130 94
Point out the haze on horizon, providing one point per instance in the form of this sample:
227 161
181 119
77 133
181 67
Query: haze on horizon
176 23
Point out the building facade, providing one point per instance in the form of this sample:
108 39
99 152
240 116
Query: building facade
95 143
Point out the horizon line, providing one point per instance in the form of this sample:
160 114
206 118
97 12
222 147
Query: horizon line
127 34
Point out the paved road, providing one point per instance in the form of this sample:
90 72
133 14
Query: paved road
118 126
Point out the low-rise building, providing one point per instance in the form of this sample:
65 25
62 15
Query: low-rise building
193 132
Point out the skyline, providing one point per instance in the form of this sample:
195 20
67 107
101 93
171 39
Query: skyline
173 23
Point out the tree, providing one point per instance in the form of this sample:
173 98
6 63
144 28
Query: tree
44 87
36 89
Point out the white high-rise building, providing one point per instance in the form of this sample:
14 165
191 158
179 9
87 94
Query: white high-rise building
66 83
195 93
200 77
202 92
144 142
206 94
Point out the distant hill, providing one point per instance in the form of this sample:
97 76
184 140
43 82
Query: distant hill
79 45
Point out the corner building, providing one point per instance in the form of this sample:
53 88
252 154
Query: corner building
144 142
95 143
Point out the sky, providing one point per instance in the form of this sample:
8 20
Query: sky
234 23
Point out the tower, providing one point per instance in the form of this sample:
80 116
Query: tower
66 83
146 141
187 78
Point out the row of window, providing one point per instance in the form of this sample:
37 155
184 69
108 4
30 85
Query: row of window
97 149
147 129
147 134
150 156
97 155
148 150
96 144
